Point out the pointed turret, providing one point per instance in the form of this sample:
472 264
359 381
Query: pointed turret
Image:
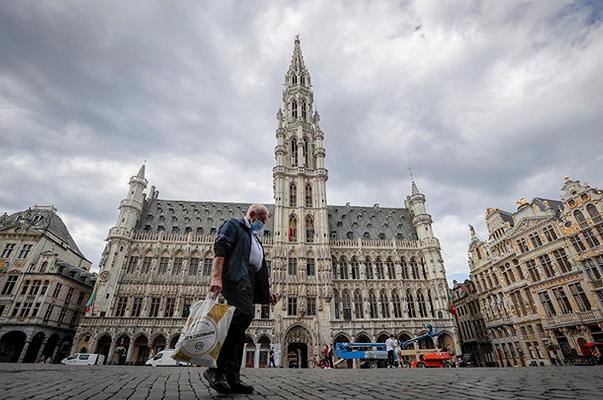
297 74
131 207
140 173
421 220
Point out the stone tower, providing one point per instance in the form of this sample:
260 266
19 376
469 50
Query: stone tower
118 244
301 234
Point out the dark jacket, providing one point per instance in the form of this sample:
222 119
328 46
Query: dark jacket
242 286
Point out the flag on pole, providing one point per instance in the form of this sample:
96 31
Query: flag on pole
451 304
90 302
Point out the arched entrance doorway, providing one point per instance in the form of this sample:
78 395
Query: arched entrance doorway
426 344
173 341
11 345
64 348
264 350
341 338
382 338
51 344
403 337
34 348
362 338
103 346
445 342
158 345
141 350
298 341
249 352
120 353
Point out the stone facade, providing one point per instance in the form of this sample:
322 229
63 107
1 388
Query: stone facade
344 272
538 277
473 335
44 283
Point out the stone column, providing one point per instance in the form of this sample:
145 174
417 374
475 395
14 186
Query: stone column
244 355
24 349
111 352
56 350
129 353
41 349
256 356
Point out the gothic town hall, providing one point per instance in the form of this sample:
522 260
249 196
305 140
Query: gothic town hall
344 273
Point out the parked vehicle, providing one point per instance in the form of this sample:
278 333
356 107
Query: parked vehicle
84 359
164 359
433 360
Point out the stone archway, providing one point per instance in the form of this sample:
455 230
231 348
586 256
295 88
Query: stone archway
11 345
403 337
141 350
158 345
341 338
249 352
382 337
174 340
103 346
34 347
362 338
426 343
64 347
445 342
298 342
264 343
120 352
51 347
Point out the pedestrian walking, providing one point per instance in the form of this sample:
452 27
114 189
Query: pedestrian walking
240 274
390 346
271 363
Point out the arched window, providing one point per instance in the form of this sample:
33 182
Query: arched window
343 268
355 268
336 303
309 229
421 304
294 79
580 218
334 267
347 305
397 304
414 268
294 109
369 268
292 195
412 313
303 110
308 195
372 304
302 79
430 301
404 268
292 228
391 273
379 268
423 269
358 304
384 304
294 155
305 152
594 213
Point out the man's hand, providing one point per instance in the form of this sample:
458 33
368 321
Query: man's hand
215 286
274 298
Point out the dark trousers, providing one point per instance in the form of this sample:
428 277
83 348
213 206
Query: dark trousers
390 358
231 354
271 363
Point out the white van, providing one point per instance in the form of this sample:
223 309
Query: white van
84 359
164 359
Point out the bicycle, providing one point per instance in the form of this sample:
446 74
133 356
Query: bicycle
318 362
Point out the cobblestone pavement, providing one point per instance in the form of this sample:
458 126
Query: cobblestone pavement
27 381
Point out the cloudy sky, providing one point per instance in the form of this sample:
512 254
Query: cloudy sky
489 101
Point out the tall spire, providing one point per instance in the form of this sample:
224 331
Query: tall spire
140 173
297 74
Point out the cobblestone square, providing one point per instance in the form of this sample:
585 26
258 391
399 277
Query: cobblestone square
42 382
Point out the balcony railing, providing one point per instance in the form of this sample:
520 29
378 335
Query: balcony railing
574 318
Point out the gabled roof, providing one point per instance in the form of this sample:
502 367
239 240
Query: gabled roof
42 220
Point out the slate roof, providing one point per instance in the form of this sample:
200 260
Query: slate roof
42 219
345 222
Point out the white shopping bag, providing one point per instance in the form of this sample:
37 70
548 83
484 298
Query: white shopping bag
204 332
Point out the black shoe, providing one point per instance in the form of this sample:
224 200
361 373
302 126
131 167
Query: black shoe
240 387
218 383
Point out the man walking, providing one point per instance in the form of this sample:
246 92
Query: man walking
390 346
240 273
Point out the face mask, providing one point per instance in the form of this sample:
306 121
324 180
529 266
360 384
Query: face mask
256 225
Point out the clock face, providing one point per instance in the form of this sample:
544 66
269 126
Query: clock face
104 276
